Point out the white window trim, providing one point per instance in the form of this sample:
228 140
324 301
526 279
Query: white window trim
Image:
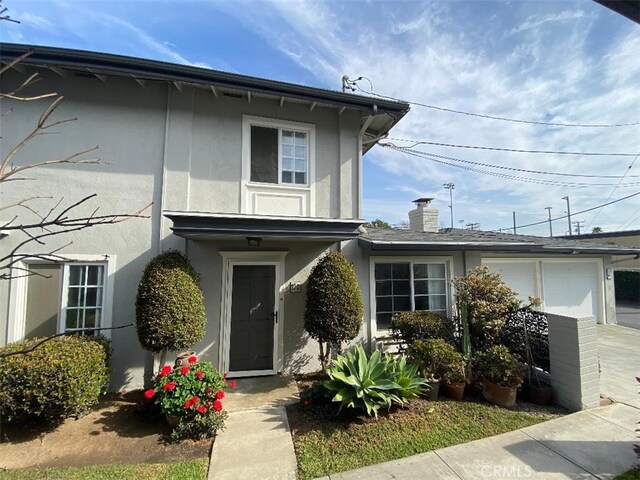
18 291
247 122
229 260
446 260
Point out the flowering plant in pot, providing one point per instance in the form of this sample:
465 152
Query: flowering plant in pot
191 397
453 372
498 369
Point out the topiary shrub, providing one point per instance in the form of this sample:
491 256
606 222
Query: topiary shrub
60 378
333 311
169 306
407 327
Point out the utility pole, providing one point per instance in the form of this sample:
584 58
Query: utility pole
450 186
514 223
473 226
568 212
578 224
550 227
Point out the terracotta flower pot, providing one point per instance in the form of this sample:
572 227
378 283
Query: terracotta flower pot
499 395
431 390
454 390
172 420
540 395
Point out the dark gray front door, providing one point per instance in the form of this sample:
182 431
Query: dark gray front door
252 318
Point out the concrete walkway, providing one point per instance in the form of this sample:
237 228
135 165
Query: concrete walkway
256 442
592 444
628 314
619 350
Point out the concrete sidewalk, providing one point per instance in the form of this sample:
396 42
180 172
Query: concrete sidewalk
619 350
256 442
597 443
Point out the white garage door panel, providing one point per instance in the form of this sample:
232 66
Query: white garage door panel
571 288
520 276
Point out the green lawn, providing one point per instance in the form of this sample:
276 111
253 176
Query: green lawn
187 470
630 475
326 443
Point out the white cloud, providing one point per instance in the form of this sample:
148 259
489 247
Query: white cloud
536 21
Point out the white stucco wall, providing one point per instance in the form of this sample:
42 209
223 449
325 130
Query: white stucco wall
179 150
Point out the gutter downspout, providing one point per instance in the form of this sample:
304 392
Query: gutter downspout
163 180
367 122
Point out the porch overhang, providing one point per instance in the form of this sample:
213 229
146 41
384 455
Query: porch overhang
202 225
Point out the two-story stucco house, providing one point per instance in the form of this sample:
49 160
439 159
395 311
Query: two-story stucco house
254 180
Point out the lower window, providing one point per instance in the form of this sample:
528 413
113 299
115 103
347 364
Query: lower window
66 297
405 286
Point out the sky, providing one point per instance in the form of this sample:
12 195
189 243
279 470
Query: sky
541 61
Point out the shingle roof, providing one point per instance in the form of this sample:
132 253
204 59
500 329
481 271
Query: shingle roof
458 239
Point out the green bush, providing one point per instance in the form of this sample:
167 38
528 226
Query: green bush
333 311
169 307
499 366
407 327
369 383
60 378
434 357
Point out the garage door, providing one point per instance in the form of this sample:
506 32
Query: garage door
571 288
566 288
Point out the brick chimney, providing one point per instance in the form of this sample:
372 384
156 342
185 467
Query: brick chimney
423 218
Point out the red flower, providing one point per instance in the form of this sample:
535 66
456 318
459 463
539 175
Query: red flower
200 374
217 405
184 370
219 395
232 384
195 399
188 403
148 394
166 370
201 409
307 402
192 359
169 386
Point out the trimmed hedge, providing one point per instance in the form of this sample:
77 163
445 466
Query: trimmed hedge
61 378
407 327
169 307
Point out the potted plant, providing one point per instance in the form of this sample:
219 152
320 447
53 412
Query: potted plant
453 373
190 397
498 369
427 356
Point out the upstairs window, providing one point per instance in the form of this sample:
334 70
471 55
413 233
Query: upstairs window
279 155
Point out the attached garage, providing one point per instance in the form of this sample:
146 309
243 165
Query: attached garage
572 288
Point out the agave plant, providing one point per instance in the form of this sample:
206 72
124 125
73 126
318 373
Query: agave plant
372 382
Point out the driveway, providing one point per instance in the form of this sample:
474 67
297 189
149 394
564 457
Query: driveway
619 349
628 314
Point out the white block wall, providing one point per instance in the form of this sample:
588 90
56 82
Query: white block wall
573 350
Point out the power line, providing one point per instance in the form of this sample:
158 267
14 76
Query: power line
493 117
516 150
428 156
581 212
615 188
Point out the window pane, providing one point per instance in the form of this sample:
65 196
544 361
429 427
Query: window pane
288 137
301 139
75 297
438 302
384 304
92 318
301 178
420 270
287 177
401 304
383 271
287 164
422 303
383 288
94 297
301 152
96 274
72 318
400 270
301 165
421 287
264 154
437 286
401 287
436 271
76 274
287 150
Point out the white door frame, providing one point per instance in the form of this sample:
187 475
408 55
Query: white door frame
230 260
